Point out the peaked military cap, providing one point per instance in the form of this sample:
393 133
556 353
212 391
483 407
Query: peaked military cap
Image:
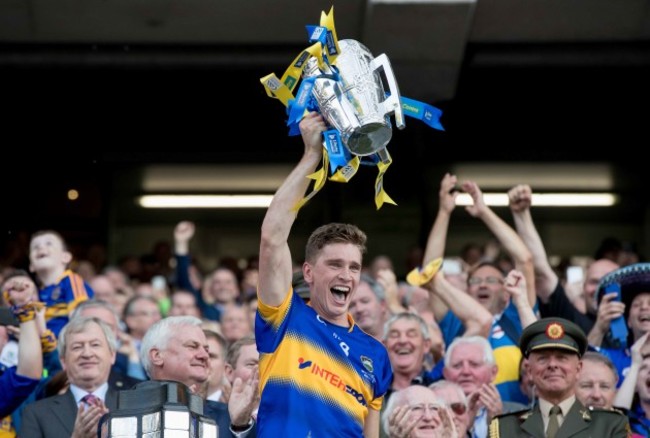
555 333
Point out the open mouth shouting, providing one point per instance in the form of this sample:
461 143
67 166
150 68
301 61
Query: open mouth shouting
483 296
340 294
644 318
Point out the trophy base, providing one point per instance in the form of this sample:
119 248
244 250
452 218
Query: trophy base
369 139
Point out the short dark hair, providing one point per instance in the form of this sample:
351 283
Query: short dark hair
483 264
595 357
334 233
234 350
210 334
52 232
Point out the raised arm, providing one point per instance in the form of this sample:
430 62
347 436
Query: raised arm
476 318
625 393
508 238
515 285
275 257
545 278
438 236
22 294
183 233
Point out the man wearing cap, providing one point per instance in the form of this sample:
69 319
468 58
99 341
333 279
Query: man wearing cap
553 348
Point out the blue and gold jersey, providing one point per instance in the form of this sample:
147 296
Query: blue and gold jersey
317 379
61 298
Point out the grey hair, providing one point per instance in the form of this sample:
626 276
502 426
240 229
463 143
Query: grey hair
94 304
159 334
396 400
376 288
79 325
424 328
488 354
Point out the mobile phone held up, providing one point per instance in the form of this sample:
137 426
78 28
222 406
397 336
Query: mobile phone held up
7 317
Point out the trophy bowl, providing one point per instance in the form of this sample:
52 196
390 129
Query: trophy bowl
355 101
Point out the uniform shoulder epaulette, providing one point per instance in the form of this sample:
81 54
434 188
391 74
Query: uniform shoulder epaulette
522 414
615 411
494 427
621 410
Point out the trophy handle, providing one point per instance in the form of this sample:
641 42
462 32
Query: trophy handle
393 103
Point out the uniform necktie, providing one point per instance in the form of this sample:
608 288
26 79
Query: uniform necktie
90 400
553 423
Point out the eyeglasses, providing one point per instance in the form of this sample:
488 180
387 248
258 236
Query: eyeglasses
458 408
488 280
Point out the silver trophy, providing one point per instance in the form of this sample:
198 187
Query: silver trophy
356 104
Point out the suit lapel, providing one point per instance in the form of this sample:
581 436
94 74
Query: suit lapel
66 411
575 421
533 425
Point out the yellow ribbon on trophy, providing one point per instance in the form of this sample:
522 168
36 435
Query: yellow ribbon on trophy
319 182
421 276
327 21
381 196
345 173
278 89
282 89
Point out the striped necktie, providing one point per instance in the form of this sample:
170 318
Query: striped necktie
90 400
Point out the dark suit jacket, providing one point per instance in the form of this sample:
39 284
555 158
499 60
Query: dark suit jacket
579 422
218 411
120 381
54 417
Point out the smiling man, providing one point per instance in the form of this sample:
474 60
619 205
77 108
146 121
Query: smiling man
175 348
554 348
87 351
320 374
407 340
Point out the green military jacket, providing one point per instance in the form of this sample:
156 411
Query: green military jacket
580 422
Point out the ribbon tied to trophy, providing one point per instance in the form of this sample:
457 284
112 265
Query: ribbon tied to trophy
342 80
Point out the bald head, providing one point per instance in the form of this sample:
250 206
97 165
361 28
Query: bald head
595 272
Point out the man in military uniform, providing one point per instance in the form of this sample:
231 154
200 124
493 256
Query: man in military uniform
553 348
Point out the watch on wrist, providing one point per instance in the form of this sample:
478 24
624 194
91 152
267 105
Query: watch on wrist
242 427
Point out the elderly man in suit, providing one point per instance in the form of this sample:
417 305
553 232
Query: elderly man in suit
554 348
87 352
175 348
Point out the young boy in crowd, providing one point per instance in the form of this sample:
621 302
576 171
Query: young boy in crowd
61 289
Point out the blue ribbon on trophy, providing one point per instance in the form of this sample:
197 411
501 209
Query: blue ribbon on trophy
342 81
